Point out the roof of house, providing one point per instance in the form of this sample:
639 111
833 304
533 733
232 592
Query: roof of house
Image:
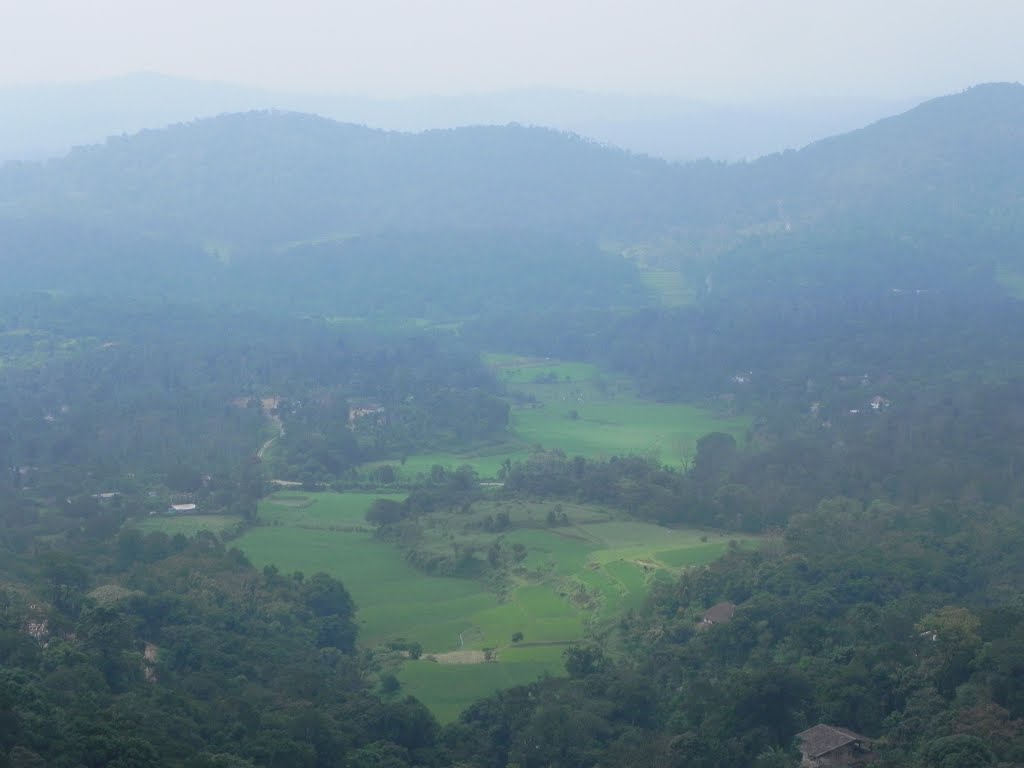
822 739
717 614
183 507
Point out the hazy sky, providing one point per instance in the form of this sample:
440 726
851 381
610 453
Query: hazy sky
712 49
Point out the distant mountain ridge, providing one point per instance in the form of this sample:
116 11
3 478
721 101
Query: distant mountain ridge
268 178
948 171
47 120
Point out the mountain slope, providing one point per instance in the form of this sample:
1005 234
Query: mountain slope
47 120
270 178
928 183
930 200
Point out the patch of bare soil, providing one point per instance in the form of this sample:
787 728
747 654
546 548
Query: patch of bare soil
459 657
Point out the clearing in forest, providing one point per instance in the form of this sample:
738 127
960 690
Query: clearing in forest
582 572
579 409
188 525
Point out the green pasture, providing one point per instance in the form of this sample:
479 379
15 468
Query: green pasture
328 533
581 411
517 369
575 574
585 412
320 510
670 287
187 525
608 566
447 688
605 428
486 461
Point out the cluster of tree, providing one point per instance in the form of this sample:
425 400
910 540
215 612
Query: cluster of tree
899 622
188 205
442 491
419 394
93 393
425 274
948 442
858 323
131 649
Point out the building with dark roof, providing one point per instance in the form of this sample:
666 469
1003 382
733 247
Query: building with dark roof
719 614
824 746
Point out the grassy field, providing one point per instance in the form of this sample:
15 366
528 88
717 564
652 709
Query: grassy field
602 428
583 411
670 287
188 525
327 533
573 575
446 688
517 369
486 460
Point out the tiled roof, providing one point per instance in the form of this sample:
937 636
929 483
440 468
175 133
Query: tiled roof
722 612
822 739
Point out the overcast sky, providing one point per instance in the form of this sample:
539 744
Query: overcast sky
733 50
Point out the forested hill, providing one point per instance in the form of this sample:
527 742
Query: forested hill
946 155
846 311
230 205
272 178
929 200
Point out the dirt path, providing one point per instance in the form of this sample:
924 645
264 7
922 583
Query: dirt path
280 433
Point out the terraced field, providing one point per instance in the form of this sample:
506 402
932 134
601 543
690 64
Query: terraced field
188 525
573 575
583 411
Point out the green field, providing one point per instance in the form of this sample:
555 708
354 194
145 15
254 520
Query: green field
581 410
446 688
517 369
670 287
603 428
188 525
583 572
486 460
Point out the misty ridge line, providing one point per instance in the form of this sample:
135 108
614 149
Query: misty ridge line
46 120
218 205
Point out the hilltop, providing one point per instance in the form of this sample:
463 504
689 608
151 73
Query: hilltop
929 185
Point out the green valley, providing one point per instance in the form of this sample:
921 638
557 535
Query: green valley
516 619
581 410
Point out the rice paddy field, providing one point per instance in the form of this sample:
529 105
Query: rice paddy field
670 287
188 525
583 411
573 576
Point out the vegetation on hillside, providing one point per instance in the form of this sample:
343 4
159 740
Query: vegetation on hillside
184 330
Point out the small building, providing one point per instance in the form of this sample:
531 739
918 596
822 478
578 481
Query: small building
824 746
362 411
181 509
721 613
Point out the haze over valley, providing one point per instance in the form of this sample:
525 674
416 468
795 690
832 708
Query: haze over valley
653 399
46 120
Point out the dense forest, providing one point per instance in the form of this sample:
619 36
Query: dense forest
181 300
